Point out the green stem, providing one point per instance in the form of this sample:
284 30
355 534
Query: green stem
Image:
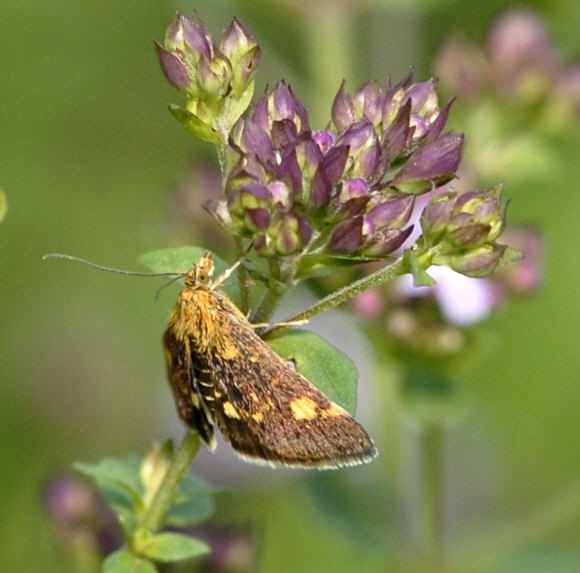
431 500
154 516
273 295
242 275
399 267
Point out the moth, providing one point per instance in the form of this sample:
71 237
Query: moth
224 375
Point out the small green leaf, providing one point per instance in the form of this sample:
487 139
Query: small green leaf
119 483
125 562
198 127
181 260
173 260
117 472
193 502
331 371
172 547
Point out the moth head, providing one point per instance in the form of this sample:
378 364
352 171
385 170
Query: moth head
202 271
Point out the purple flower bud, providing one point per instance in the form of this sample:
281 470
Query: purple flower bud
343 113
286 233
237 40
368 103
397 135
324 140
423 96
260 218
365 150
348 236
480 208
395 98
214 77
189 35
284 105
385 242
254 195
468 234
280 194
256 141
351 198
284 135
175 69
327 175
309 156
392 212
290 172
436 214
478 262
435 163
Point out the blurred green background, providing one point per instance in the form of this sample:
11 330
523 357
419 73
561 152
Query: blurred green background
88 156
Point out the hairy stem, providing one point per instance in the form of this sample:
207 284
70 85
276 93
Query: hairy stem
154 516
399 267
242 275
272 296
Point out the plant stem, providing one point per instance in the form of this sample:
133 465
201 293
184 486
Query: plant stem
431 500
154 516
399 267
272 296
242 279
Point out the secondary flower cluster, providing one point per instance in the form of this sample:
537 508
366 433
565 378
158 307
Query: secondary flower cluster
217 80
520 65
342 191
464 229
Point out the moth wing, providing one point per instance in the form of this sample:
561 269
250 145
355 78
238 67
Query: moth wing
185 378
271 414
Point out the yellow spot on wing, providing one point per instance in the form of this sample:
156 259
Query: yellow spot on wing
230 411
334 410
303 408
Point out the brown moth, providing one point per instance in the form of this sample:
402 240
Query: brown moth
223 374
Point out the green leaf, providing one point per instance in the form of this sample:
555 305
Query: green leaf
173 260
124 562
172 547
331 371
122 472
193 502
119 482
181 259
197 126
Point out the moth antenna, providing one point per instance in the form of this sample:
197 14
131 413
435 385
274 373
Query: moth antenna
176 278
108 269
